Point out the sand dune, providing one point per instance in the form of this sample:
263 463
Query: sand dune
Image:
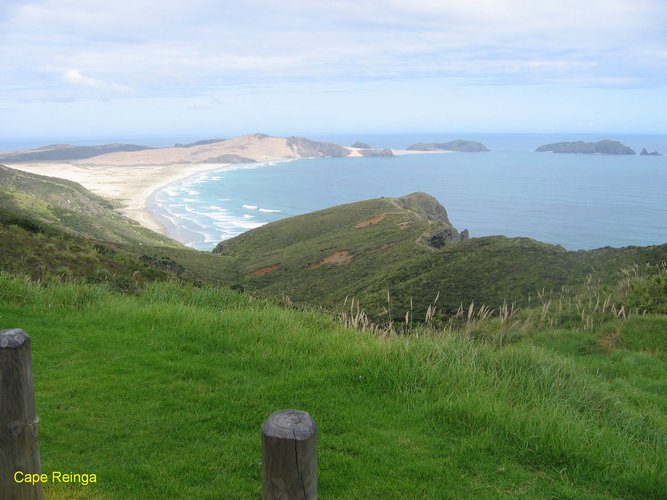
257 147
130 178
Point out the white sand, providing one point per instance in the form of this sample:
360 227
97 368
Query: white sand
130 186
129 179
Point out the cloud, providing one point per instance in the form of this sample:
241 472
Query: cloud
74 77
200 47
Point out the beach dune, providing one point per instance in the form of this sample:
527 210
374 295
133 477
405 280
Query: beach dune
129 179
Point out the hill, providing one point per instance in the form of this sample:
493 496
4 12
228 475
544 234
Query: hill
391 255
247 148
159 386
198 143
458 145
67 152
71 208
605 147
399 254
253 147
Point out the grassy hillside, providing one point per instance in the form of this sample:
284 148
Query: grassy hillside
381 253
159 386
54 229
162 396
70 207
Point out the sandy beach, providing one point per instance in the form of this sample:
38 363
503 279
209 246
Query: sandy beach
130 179
128 187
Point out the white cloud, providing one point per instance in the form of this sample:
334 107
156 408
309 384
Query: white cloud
74 77
153 46
252 53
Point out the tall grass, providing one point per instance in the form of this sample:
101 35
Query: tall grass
639 290
162 395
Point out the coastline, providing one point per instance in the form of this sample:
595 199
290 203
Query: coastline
129 188
132 188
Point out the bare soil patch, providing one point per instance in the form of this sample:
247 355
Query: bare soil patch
374 220
338 258
266 270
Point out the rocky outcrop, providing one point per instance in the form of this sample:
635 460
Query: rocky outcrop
423 205
605 147
458 145
644 152
427 207
307 148
361 145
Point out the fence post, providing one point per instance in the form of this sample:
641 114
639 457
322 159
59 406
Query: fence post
289 456
19 450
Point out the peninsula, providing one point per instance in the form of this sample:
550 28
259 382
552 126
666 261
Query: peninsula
128 175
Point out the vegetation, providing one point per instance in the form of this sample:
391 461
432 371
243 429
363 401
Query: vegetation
162 395
601 147
67 152
489 368
369 249
68 206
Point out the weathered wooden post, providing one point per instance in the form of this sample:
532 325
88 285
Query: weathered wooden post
289 456
19 450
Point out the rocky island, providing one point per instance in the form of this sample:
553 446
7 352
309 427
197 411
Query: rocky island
457 145
605 147
644 152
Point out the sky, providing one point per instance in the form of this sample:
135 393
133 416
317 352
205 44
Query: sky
83 69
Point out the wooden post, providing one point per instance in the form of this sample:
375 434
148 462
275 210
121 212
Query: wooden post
289 456
19 450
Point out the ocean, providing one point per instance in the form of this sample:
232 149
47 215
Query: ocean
577 201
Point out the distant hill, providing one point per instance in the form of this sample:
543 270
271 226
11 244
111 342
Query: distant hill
458 145
69 207
67 152
308 148
405 246
198 143
605 147
246 148
361 145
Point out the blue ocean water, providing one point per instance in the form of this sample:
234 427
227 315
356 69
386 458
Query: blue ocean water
578 201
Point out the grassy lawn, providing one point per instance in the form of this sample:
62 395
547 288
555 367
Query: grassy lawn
162 395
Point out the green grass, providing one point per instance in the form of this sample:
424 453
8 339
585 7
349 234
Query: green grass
387 257
162 396
69 207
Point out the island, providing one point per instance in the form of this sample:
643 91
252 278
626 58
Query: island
644 152
605 147
361 145
457 145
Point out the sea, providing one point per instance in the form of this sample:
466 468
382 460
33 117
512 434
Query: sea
577 201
